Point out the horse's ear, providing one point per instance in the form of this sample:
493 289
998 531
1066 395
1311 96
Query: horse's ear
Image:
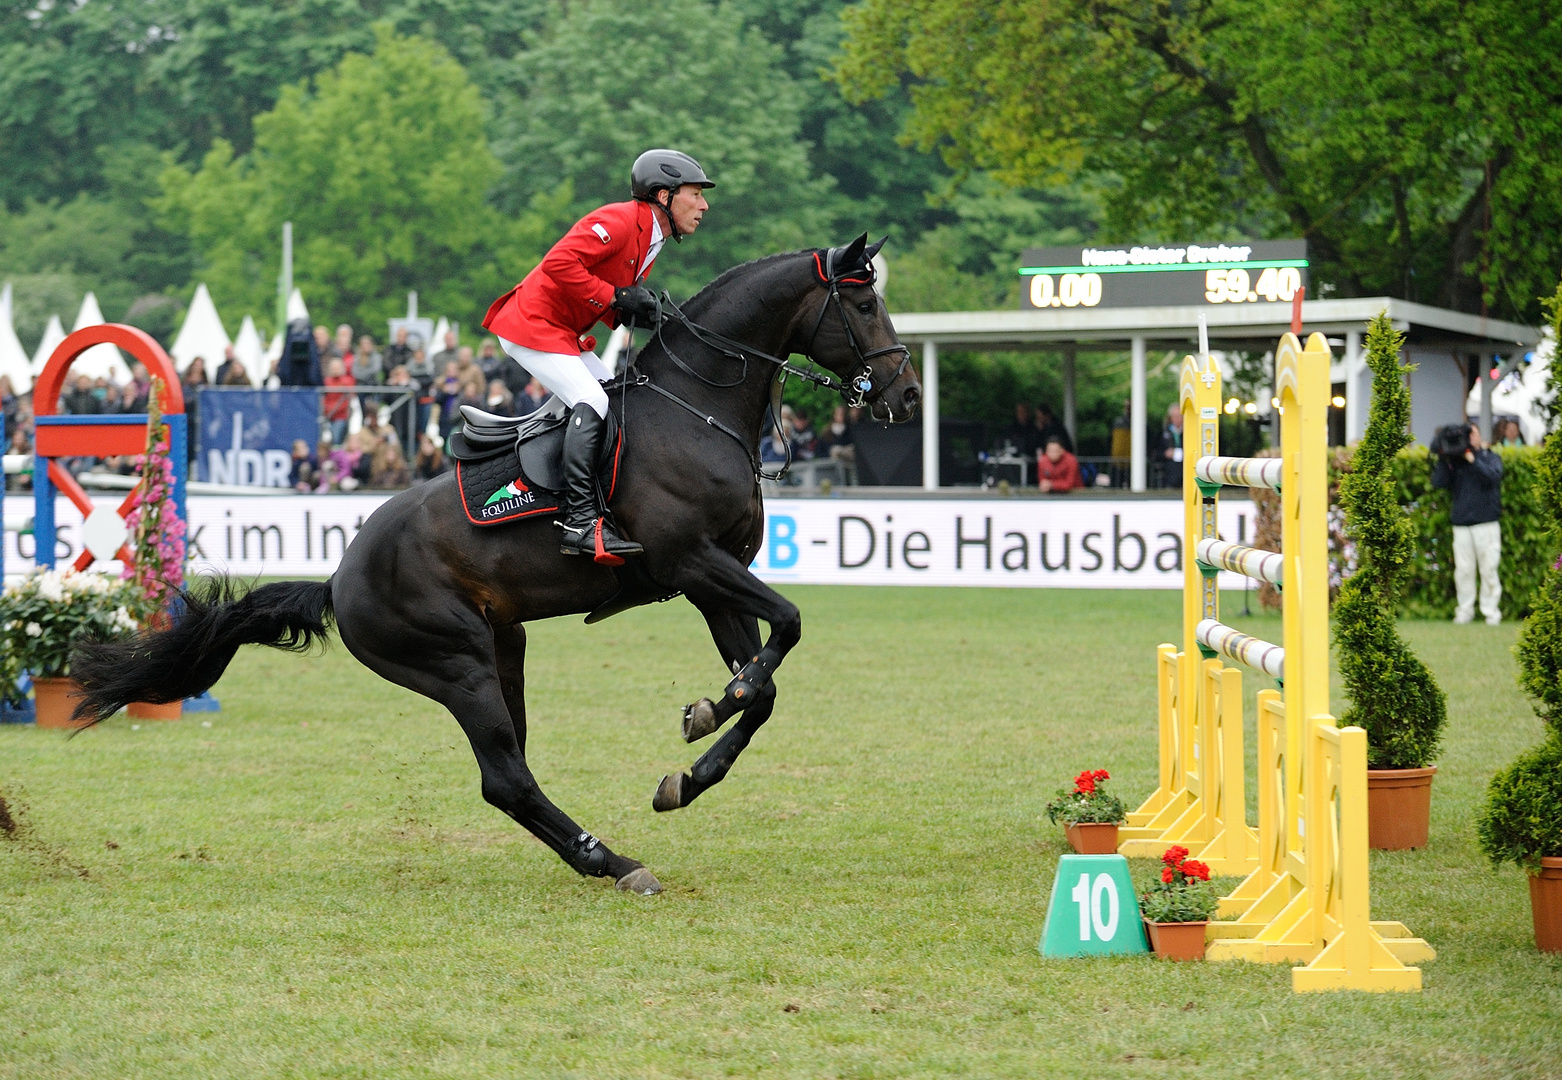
873 249
852 255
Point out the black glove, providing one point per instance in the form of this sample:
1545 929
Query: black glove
638 303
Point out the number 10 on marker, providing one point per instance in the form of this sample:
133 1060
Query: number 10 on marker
1092 899
1092 910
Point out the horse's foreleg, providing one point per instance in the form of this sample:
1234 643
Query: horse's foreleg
737 639
734 627
714 579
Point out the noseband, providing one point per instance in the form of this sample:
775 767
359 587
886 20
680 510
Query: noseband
860 389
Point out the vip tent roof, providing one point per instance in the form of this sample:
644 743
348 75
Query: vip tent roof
202 334
100 361
13 358
53 334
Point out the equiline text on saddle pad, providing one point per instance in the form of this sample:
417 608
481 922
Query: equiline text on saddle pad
494 491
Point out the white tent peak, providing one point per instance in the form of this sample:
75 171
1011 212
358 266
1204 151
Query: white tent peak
295 307
53 334
100 361
441 328
13 358
202 334
247 347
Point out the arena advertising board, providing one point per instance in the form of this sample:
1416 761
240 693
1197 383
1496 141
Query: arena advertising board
246 436
1161 275
1017 543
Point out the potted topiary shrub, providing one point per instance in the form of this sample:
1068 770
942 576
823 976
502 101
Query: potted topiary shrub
42 616
1089 813
1393 695
1176 911
1521 821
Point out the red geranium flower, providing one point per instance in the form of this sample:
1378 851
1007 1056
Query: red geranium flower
1166 875
1101 774
1174 855
1194 868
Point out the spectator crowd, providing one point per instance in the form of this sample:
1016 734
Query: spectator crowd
386 413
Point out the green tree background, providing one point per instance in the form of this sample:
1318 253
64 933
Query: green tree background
148 146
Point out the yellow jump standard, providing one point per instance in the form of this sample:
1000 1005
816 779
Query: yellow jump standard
1305 896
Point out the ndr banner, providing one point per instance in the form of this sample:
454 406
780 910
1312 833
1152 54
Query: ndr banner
1027 543
247 435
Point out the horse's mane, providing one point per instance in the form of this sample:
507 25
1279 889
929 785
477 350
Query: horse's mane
699 300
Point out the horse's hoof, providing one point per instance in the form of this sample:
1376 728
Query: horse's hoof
669 793
639 881
699 720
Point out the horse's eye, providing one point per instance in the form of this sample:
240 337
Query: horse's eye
865 307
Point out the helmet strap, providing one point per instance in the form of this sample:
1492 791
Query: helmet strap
672 225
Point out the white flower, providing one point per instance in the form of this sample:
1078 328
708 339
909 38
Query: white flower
51 587
34 630
122 619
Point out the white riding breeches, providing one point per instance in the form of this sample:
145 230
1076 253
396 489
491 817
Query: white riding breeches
574 378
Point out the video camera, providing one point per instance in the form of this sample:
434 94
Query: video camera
1451 440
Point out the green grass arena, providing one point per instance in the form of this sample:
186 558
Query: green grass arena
313 887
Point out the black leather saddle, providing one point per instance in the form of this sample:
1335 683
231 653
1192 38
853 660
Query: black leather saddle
537 439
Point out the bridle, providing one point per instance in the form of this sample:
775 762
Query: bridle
860 389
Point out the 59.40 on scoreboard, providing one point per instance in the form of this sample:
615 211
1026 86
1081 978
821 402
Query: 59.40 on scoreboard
1249 272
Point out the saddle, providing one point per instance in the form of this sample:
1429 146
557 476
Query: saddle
512 467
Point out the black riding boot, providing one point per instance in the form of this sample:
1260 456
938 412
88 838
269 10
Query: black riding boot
586 530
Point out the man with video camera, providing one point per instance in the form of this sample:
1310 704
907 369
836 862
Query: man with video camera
1473 476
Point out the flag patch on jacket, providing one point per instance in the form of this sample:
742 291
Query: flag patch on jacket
596 227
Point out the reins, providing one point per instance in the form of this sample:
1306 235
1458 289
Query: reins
857 394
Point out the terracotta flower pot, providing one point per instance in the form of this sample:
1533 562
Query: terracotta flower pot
1545 902
1399 807
55 700
1176 940
147 710
1093 838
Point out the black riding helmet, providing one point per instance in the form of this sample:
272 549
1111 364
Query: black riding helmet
656 170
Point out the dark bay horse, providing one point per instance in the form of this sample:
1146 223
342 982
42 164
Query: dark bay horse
430 602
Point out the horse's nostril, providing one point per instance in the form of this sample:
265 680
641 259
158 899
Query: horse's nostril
911 397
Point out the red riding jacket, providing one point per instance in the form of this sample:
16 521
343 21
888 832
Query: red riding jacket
572 288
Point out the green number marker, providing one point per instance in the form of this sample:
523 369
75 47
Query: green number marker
1093 910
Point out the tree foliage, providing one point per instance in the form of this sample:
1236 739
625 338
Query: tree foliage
1393 695
1413 143
682 74
383 168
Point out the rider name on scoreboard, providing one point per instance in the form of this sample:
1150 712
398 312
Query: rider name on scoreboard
1242 272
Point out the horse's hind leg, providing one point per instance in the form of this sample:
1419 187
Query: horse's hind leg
737 637
534 811
477 672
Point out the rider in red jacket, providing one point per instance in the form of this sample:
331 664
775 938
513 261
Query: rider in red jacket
594 275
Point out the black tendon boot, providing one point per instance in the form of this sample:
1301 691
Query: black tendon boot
586 531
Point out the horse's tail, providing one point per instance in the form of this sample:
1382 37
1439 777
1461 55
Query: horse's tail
187 658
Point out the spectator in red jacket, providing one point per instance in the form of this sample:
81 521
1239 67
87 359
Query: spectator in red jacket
594 274
337 407
1057 470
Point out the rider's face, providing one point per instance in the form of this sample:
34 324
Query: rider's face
687 207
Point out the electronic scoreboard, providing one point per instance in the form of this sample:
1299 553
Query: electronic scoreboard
1143 275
